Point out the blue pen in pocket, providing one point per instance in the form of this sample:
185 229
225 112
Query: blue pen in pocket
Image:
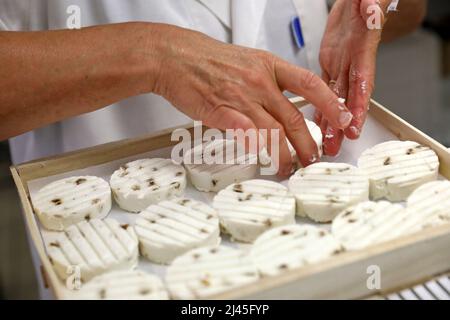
296 26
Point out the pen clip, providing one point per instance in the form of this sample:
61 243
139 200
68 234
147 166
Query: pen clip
296 27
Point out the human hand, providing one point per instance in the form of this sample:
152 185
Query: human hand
232 87
348 60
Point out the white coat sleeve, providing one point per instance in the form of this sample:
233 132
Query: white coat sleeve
14 15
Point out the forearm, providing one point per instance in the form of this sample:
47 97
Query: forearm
406 19
49 76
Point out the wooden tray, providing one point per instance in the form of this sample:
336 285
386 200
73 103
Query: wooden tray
404 261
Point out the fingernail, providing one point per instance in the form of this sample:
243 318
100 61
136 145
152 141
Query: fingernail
314 158
345 118
329 133
355 131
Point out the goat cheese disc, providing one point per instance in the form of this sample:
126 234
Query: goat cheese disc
213 166
369 223
94 247
171 228
248 209
324 189
429 205
289 247
397 168
142 183
68 201
203 272
124 285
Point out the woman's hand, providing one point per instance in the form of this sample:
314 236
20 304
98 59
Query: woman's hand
232 87
348 60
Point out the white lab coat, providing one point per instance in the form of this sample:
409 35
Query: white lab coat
263 24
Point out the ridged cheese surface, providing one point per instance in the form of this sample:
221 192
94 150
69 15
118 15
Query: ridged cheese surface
204 272
171 228
397 168
94 247
124 285
430 205
248 209
324 189
369 223
289 247
69 201
213 166
141 183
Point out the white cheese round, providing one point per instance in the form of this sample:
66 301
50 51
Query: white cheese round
397 168
289 247
93 247
248 209
124 285
430 205
204 272
68 201
324 189
171 228
212 167
369 223
141 183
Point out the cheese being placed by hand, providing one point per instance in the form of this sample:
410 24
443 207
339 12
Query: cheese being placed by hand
316 134
214 166
324 189
397 168
248 209
142 183
289 247
171 228
68 201
369 223
93 247
204 272
123 285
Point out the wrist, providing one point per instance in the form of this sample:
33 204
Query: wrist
159 51
145 53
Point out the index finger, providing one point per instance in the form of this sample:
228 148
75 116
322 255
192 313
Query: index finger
307 84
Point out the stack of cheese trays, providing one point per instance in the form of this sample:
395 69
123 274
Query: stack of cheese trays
185 234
